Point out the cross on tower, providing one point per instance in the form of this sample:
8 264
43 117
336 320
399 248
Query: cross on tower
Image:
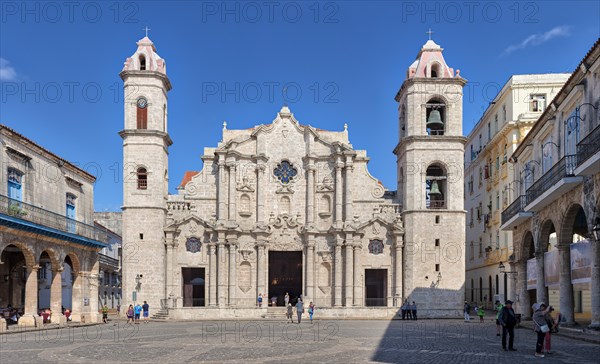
429 32
146 29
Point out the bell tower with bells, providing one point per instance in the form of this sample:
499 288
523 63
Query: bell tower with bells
430 157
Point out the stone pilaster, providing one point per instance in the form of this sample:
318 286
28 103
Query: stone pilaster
349 279
564 281
260 193
221 189
338 193
232 191
358 292
260 269
338 272
310 194
310 268
348 189
212 286
541 280
232 271
77 297
524 304
398 245
170 287
56 295
221 273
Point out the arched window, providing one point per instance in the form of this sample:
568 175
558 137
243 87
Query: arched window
15 184
142 62
375 247
435 187
142 179
435 70
435 117
142 113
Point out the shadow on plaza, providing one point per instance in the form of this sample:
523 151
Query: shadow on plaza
410 339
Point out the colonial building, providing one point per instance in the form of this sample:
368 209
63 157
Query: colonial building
558 205
109 287
48 243
286 207
489 180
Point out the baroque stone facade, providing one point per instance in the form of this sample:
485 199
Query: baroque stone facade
286 207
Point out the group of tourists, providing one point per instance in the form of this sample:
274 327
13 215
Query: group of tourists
299 311
543 325
134 312
409 311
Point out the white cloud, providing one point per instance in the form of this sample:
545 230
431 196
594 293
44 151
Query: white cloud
537 39
7 73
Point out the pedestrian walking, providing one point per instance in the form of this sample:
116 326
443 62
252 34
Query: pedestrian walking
137 310
259 300
130 314
311 311
480 313
499 307
466 309
540 327
551 324
286 299
146 311
408 311
105 313
508 320
299 310
413 310
290 313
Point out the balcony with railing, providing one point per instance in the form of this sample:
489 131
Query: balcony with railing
588 154
515 213
23 216
559 180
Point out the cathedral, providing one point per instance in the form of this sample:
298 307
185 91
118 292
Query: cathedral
285 207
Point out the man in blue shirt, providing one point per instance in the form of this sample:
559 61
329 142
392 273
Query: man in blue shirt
146 310
137 310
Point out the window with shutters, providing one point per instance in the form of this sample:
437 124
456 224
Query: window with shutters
142 118
142 179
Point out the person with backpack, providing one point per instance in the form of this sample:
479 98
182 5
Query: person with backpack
540 326
498 326
467 308
508 320
259 300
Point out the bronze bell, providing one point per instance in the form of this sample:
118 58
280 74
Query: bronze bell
435 190
435 120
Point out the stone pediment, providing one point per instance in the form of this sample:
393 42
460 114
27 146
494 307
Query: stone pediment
378 225
193 220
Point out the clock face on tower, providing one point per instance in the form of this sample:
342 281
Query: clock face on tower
142 103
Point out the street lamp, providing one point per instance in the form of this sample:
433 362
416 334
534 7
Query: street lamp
138 280
503 270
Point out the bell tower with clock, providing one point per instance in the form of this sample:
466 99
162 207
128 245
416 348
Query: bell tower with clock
145 174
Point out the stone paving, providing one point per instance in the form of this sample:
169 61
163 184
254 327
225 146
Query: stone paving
344 341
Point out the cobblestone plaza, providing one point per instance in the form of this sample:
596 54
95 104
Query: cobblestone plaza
268 341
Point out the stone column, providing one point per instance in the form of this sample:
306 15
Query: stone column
541 281
232 271
338 193
595 285
170 287
512 282
310 194
76 297
92 290
260 270
31 297
348 189
338 272
310 268
260 200
221 188
212 286
524 304
56 296
221 273
349 287
398 270
565 285
232 191
358 284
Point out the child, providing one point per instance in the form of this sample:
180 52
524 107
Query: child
311 310
480 313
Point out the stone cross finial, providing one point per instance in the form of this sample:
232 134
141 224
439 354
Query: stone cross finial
146 29
345 126
224 125
429 32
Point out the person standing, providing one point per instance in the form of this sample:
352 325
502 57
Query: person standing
466 309
480 313
408 311
259 300
105 313
311 311
508 320
290 313
137 310
286 299
498 326
404 308
119 310
540 327
130 314
146 311
551 325
413 310
299 310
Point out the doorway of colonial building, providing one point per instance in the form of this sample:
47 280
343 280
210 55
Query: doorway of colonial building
285 275
376 287
193 287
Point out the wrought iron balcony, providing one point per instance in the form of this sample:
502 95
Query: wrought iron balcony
514 208
563 168
47 219
589 146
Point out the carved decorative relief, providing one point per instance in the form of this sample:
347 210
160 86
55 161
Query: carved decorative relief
246 185
326 185
376 247
245 276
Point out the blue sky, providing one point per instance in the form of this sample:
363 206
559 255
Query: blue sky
59 67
